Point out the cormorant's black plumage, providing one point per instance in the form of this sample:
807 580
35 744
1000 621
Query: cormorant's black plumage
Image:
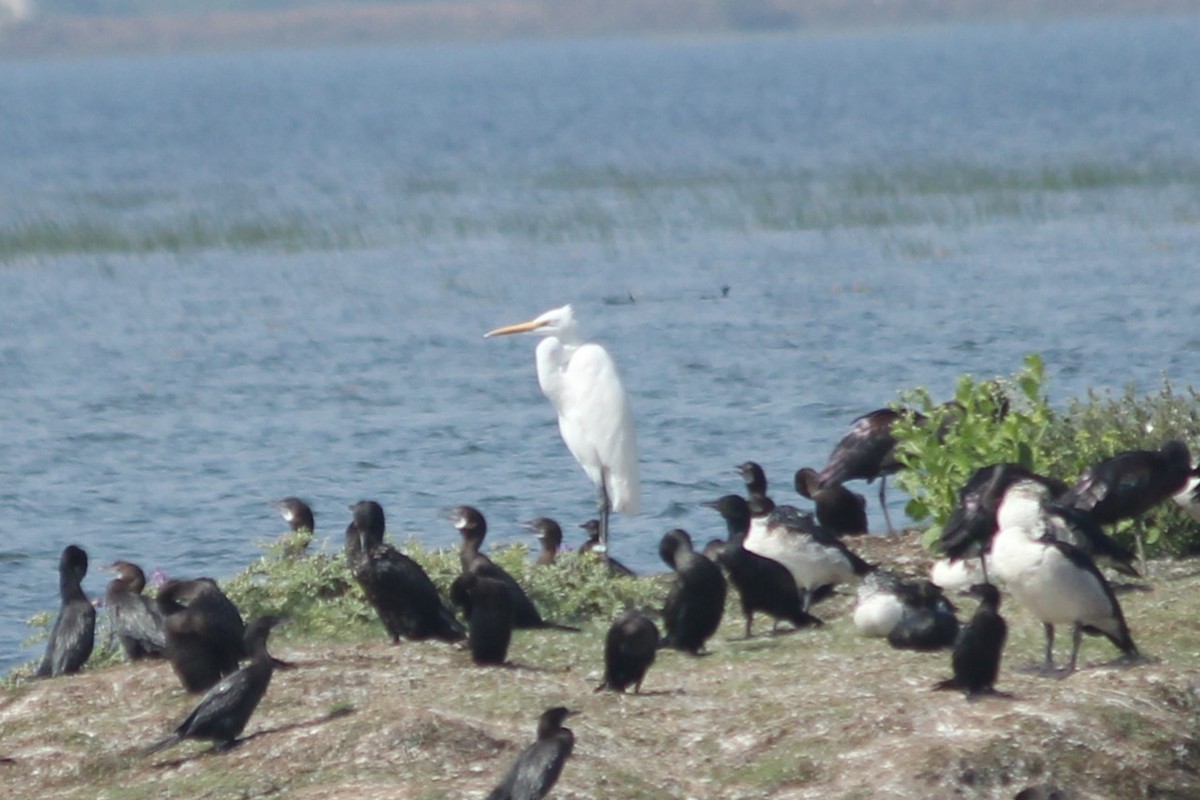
136 621
866 452
929 621
976 658
297 514
204 631
74 632
549 535
537 768
839 510
629 649
696 601
592 527
397 587
222 714
488 608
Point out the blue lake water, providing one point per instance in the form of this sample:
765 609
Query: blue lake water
229 278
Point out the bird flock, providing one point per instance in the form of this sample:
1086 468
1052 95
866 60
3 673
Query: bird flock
1036 537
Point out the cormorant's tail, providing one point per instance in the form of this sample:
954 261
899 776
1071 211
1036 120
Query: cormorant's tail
946 685
163 745
555 626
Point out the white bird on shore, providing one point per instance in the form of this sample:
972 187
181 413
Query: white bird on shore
594 416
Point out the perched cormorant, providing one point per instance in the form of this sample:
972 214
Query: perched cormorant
549 534
136 621
694 605
473 528
296 513
867 451
592 545
74 631
762 583
397 587
1129 484
756 488
537 769
929 621
1056 581
976 658
817 560
488 607
839 510
629 650
204 632
222 714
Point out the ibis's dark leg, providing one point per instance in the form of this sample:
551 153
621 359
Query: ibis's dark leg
887 518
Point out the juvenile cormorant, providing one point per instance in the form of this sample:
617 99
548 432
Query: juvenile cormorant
473 528
867 451
762 583
74 631
222 714
592 545
488 608
839 510
397 587
549 535
1056 581
694 605
629 650
204 632
976 657
136 621
537 769
297 514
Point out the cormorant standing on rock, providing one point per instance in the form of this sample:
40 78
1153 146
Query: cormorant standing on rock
397 587
204 632
137 623
473 528
74 632
537 768
694 606
629 650
222 714
763 583
839 510
549 535
976 658
487 606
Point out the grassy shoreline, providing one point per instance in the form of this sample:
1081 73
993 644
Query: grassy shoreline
817 713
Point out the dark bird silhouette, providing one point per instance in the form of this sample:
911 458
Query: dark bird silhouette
549 535
1056 581
756 488
629 649
473 528
488 608
866 452
762 583
204 632
976 658
839 510
592 545
537 769
397 587
136 621
222 714
1046 791
297 514
1129 484
929 622
696 601
74 632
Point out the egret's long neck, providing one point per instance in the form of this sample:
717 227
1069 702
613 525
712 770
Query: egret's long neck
553 356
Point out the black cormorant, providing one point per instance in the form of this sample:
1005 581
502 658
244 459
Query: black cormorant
592 545
222 714
397 587
488 608
762 583
537 768
136 621
629 650
299 517
549 535
976 658
74 631
204 632
473 528
929 621
694 605
839 510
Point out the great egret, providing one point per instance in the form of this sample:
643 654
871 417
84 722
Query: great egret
580 379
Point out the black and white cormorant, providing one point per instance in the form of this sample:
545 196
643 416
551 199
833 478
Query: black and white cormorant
74 632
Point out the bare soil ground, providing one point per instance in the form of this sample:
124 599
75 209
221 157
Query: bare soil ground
813 714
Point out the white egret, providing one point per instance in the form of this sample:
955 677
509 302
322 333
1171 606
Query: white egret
580 379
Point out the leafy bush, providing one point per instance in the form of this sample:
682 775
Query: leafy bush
958 438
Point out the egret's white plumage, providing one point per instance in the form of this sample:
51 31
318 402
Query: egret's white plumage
594 416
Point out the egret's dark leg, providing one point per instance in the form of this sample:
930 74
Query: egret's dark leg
1048 664
1076 640
602 498
887 518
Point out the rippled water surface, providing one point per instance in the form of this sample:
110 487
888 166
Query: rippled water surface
225 279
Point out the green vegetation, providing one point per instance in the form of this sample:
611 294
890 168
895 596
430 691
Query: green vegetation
955 439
